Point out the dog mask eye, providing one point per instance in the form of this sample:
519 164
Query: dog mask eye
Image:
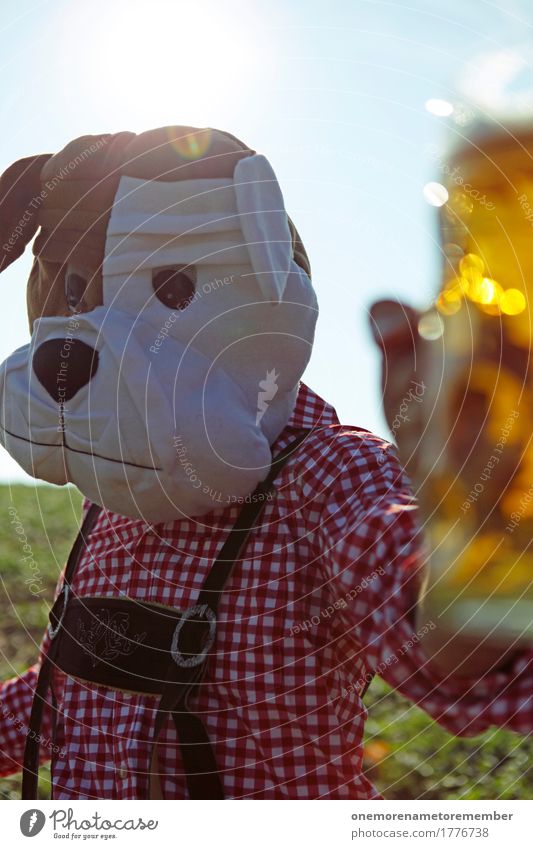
75 286
174 286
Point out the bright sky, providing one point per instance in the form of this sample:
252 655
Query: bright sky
332 93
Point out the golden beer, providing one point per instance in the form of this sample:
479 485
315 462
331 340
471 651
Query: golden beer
475 454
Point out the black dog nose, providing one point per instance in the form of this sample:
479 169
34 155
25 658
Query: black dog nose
63 366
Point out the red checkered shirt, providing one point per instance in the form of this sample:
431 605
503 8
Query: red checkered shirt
324 593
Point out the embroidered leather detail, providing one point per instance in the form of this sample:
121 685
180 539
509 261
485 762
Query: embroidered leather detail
107 636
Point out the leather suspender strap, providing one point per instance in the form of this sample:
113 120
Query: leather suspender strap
190 653
30 772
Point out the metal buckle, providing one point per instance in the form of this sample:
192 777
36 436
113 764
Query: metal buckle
194 612
64 591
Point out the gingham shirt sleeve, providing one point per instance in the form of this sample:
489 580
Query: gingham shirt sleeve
16 696
372 554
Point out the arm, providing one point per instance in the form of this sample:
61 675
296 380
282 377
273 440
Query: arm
369 537
442 460
16 697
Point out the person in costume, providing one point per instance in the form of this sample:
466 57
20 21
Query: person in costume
172 317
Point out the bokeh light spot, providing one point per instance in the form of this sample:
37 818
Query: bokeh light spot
512 302
431 326
435 193
441 108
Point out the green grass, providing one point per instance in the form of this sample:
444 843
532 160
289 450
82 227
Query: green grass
422 761
408 756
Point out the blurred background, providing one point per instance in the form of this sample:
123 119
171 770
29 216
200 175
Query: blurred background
349 100
354 102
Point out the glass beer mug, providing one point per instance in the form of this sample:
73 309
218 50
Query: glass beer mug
475 452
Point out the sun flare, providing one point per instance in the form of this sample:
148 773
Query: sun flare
167 62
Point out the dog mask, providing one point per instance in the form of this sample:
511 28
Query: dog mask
172 317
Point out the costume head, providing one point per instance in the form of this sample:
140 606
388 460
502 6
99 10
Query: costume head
172 317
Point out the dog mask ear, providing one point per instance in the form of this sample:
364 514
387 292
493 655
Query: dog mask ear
264 224
20 187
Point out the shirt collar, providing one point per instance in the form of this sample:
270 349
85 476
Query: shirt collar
311 410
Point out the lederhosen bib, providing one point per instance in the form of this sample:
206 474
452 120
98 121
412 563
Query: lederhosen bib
129 644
